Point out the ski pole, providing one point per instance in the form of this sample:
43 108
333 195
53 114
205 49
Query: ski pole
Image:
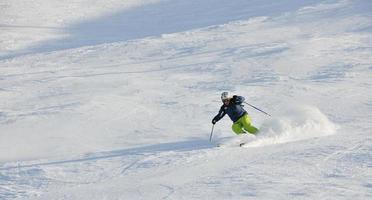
257 109
210 137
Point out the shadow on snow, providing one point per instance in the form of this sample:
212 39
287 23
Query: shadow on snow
161 18
181 146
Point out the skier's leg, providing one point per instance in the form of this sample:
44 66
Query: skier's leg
247 124
237 127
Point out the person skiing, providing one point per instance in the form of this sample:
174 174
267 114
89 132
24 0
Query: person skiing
232 106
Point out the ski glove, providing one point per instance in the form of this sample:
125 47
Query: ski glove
214 121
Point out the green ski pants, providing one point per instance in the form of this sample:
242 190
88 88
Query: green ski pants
243 125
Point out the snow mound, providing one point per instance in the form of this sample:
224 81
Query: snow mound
298 123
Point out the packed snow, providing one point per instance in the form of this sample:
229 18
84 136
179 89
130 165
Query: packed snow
114 99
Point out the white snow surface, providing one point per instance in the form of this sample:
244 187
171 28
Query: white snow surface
114 99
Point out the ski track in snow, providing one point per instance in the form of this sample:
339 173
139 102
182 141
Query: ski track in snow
128 116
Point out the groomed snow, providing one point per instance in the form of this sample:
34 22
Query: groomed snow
114 99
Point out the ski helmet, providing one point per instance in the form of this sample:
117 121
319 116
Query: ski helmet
224 96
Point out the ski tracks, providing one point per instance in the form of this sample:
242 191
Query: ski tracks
33 178
27 180
346 169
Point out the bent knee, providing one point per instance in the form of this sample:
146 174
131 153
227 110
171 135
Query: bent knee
237 129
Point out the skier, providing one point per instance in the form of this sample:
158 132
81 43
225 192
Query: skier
233 108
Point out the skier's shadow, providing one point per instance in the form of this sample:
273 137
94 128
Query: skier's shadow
181 146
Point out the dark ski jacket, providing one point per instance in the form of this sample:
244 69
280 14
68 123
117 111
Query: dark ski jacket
234 110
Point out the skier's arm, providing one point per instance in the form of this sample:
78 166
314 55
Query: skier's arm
238 99
219 116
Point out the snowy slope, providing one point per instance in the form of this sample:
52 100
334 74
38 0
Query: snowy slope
116 101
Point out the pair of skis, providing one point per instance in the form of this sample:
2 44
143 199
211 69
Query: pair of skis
240 144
